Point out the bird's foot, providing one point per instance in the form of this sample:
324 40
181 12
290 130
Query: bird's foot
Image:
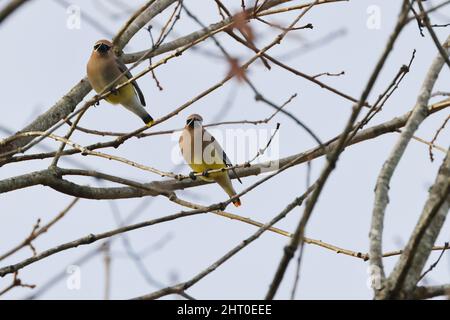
205 173
192 175
114 91
97 100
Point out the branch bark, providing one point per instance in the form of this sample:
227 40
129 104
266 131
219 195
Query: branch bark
151 10
431 291
418 115
407 272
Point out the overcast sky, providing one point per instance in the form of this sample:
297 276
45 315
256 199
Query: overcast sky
42 59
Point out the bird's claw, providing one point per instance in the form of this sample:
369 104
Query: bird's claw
114 91
97 100
192 175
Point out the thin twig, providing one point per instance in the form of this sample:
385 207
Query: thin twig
434 264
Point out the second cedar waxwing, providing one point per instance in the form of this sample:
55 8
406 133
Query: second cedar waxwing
103 68
202 152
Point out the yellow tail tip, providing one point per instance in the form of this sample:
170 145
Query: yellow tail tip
150 123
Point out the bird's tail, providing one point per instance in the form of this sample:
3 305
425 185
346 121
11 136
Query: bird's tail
148 120
225 182
136 107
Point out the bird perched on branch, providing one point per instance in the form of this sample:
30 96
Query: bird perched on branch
203 153
105 71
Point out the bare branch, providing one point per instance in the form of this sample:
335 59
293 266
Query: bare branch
185 285
431 292
419 113
407 272
37 231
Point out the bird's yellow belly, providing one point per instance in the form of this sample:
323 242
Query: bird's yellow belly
122 95
204 167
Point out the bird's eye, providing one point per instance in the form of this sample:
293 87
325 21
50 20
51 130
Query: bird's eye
102 47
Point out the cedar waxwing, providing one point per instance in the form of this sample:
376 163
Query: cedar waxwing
103 68
202 152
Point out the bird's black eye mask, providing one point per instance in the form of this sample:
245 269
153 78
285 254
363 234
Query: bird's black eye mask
101 47
190 122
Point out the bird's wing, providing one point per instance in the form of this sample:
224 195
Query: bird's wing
228 164
221 153
123 68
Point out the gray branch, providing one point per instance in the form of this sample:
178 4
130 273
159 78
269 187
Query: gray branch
418 114
407 272
152 11
432 291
